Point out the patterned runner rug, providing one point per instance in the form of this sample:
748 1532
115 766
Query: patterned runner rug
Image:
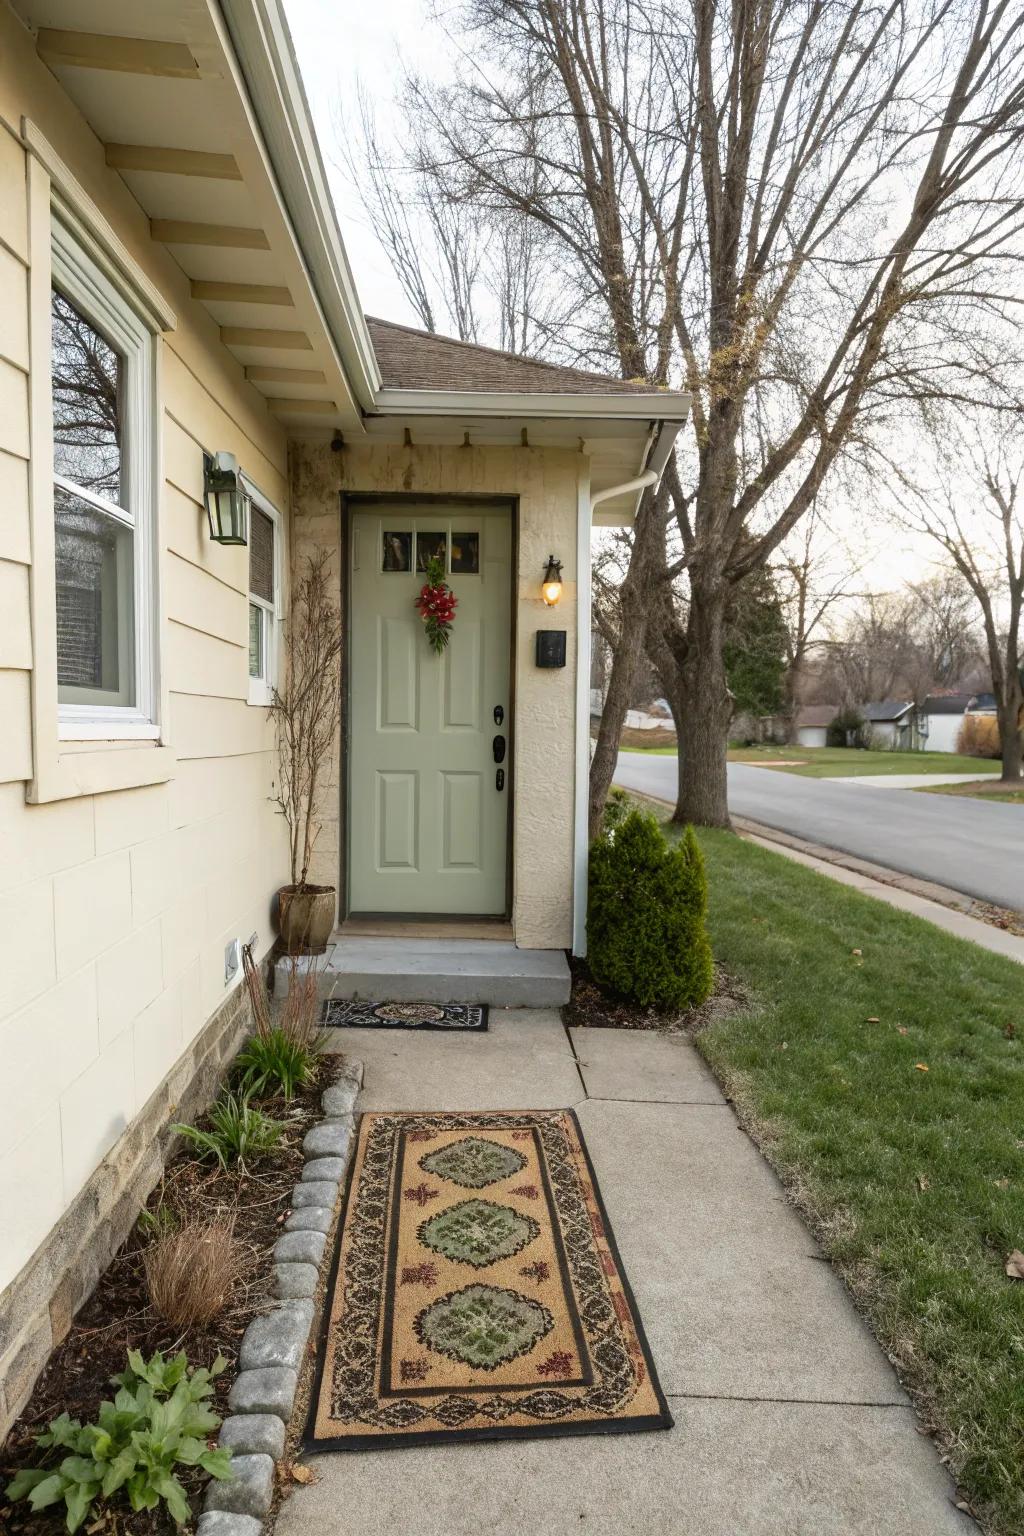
338 1014
477 1293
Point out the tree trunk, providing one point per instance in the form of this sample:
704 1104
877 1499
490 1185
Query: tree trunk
1008 716
625 665
634 599
704 733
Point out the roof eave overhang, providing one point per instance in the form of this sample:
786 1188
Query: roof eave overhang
263 51
480 403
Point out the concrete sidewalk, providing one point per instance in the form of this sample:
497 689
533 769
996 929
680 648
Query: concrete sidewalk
789 1419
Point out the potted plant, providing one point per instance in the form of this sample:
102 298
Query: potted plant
307 716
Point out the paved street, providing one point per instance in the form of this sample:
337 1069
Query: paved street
788 1418
974 846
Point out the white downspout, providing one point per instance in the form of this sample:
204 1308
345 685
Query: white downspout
585 504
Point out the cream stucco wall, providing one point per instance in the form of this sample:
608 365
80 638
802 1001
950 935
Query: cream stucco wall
546 483
115 908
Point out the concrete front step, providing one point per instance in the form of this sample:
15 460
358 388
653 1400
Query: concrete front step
436 971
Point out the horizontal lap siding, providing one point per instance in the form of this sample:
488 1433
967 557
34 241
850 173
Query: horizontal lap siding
115 909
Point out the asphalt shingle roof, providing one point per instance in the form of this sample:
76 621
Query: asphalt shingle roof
411 359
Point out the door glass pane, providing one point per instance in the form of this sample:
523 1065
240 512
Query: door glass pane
465 554
261 555
397 554
87 403
95 621
255 641
430 546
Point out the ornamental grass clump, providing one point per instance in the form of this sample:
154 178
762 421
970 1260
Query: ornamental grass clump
191 1271
646 935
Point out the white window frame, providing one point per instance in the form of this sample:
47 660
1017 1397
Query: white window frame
77 275
261 689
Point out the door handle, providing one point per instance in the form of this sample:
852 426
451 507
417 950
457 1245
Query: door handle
498 748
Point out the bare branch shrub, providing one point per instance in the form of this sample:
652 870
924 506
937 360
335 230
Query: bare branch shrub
300 1010
979 737
190 1272
307 714
256 987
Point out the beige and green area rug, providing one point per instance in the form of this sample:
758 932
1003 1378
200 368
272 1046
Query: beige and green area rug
477 1292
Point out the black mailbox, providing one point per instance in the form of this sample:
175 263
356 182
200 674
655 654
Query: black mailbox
551 647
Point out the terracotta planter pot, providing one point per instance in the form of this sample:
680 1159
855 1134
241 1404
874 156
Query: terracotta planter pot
306 918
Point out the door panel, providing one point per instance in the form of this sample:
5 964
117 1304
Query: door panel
428 826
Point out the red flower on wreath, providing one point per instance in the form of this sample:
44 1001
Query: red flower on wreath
437 604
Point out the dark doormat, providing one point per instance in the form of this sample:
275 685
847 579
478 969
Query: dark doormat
476 1292
339 1014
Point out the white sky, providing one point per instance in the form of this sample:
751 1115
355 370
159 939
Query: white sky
342 42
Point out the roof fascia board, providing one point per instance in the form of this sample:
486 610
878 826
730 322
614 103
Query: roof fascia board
610 407
263 50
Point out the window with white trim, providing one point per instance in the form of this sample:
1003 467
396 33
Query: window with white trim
102 361
264 596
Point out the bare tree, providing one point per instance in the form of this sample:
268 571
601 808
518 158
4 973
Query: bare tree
812 577
807 213
987 549
306 714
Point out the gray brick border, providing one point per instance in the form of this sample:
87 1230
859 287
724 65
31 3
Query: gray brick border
270 1356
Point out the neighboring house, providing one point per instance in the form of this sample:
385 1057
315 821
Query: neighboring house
941 715
172 285
812 723
891 724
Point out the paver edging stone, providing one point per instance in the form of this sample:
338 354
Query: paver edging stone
273 1345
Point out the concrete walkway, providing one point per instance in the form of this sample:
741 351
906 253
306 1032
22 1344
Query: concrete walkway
789 1420
909 780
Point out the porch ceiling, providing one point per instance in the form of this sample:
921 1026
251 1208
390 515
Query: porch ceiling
158 85
617 450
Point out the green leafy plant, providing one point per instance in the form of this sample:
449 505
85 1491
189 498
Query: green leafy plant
239 1132
275 1060
645 928
159 1222
616 808
159 1419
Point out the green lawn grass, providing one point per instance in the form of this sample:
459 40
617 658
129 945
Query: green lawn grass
975 792
913 1180
846 762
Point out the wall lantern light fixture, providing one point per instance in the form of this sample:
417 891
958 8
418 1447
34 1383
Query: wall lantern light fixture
551 587
227 501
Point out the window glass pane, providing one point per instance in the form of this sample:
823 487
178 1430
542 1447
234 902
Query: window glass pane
465 554
255 640
261 555
397 552
87 390
94 603
430 546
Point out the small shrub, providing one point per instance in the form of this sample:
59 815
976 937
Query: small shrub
978 736
159 1419
239 1132
256 987
190 1271
648 899
848 729
275 1061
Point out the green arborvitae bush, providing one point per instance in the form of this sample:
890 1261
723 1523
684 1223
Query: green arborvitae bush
646 937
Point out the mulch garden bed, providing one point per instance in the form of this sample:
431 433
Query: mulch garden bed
119 1316
592 1006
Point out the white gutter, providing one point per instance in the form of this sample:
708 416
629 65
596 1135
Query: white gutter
649 477
443 402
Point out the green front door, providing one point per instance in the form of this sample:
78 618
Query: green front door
428 806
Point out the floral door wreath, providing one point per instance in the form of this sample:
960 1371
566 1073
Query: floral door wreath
437 603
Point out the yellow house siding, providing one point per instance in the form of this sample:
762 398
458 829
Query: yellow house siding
116 907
